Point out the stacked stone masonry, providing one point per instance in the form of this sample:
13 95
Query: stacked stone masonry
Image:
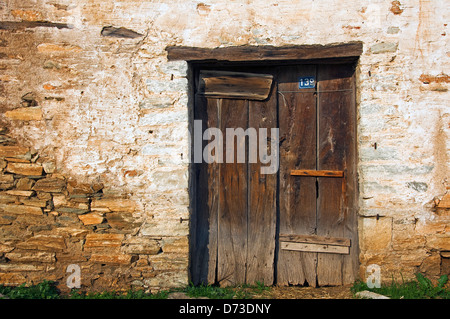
94 150
49 222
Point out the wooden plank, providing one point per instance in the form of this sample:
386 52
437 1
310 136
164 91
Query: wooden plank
315 173
334 153
232 217
206 184
262 199
318 248
235 85
212 189
313 239
297 196
266 53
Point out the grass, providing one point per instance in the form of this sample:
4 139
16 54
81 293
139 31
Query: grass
43 290
48 290
420 288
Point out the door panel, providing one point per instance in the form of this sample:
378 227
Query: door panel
335 96
297 124
262 199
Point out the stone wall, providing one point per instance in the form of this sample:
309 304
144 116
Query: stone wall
50 222
95 142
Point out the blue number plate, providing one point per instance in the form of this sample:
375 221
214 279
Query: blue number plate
306 82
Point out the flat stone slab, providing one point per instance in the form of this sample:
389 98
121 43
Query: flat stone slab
369 295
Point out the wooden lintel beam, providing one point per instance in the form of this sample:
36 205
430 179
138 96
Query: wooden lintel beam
266 52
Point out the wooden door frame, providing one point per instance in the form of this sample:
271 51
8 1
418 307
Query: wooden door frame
255 56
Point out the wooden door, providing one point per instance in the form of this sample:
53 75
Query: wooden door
236 205
318 229
294 226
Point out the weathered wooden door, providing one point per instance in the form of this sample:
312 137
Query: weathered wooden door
318 227
293 226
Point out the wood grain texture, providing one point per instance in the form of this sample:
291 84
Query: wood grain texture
334 150
317 248
233 202
262 199
314 239
206 183
297 196
235 85
265 53
315 173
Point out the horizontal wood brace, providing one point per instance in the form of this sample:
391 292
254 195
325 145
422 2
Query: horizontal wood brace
315 248
314 239
317 173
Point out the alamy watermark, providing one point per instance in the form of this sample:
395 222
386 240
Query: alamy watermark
374 276
74 279
234 138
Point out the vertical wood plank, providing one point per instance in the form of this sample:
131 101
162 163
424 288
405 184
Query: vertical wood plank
335 152
232 217
213 185
204 250
262 198
350 268
297 196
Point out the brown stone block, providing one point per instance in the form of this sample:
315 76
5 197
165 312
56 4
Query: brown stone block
376 233
404 237
142 246
17 159
103 240
12 279
6 181
111 259
20 209
76 188
121 221
25 184
35 256
445 201
20 193
169 262
9 267
5 248
25 114
428 227
50 185
6 220
439 241
34 202
114 204
91 218
13 151
431 265
27 15
44 242
175 245
24 169
73 207
72 231
7 199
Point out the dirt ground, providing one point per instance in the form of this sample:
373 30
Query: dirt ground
339 292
